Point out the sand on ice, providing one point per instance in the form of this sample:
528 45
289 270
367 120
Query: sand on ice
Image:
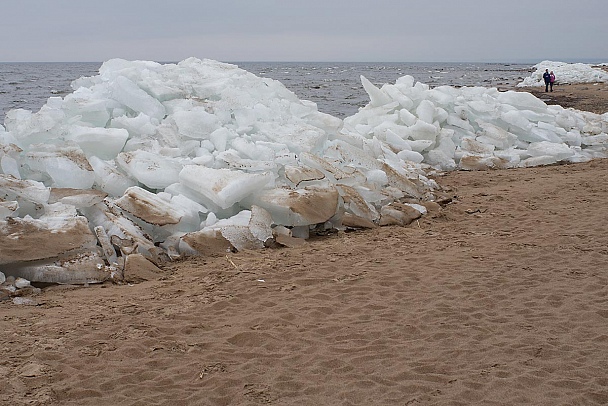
499 298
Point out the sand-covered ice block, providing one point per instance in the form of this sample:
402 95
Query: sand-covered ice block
248 229
302 173
27 239
260 224
398 214
78 198
26 190
8 209
124 232
475 162
299 207
403 181
149 207
475 147
82 270
329 168
224 187
355 204
205 242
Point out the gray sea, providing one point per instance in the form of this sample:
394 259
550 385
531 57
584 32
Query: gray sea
334 86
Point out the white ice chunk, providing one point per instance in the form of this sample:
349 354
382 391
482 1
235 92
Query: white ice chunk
411 156
223 187
377 96
109 178
497 136
153 170
140 126
544 148
105 143
132 96
522 101
67 167
196 123
426 111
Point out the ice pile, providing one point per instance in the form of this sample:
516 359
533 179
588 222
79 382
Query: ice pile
163 161
565 73
179 159
475 127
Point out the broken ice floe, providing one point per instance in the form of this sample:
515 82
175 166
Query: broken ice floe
162 161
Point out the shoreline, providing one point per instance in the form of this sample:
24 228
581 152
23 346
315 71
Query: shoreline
592 97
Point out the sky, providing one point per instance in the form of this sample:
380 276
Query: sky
517 31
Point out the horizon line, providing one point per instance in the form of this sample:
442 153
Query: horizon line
519 61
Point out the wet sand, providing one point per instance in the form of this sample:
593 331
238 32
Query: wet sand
499 298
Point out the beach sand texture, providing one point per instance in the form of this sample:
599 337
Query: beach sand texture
498 298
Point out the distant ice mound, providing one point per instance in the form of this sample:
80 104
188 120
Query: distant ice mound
184 159
565 73
475 127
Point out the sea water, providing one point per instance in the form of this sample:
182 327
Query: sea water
334 86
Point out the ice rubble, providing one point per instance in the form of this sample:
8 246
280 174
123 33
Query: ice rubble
180 159
565 73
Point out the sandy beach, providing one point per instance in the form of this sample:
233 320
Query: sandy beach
498 297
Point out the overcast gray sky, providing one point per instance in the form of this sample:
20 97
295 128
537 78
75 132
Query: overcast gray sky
305 30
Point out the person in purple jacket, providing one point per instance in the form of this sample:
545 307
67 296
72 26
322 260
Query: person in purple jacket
551 80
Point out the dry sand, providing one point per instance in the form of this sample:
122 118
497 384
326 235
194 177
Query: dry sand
500 298
588 96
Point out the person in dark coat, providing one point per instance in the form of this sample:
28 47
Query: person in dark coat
547 79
